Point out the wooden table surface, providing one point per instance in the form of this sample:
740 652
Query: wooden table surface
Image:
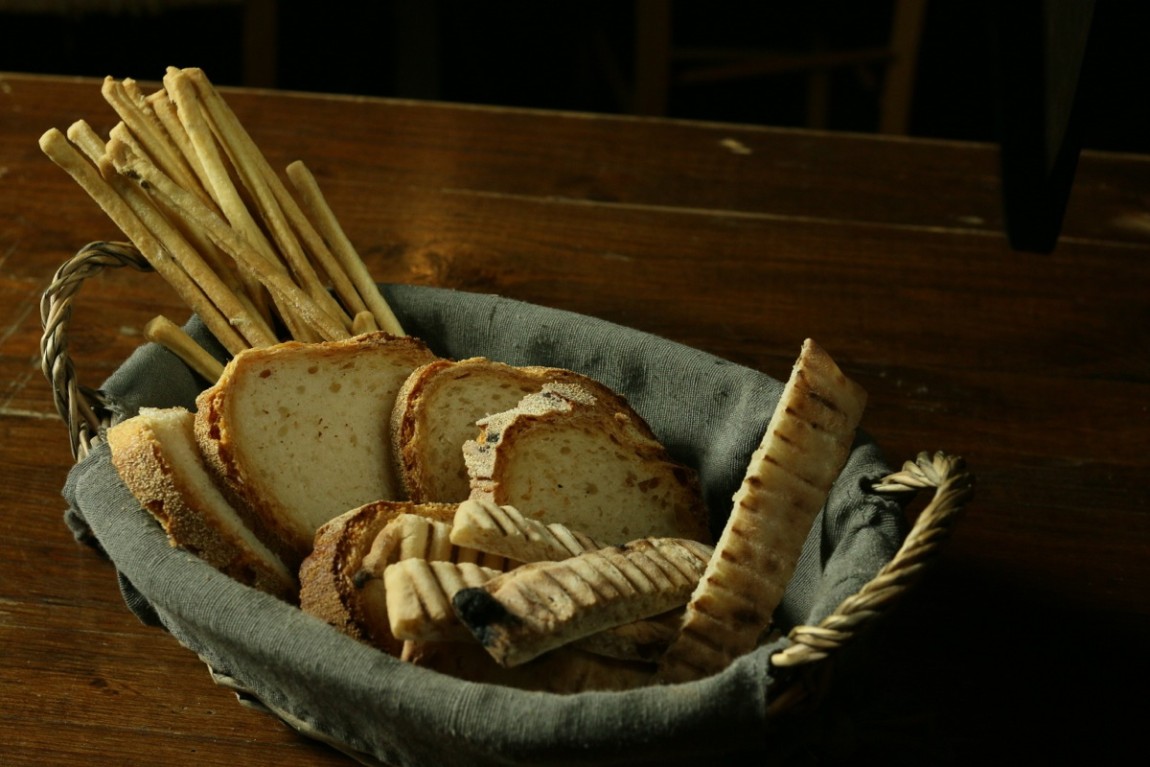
738 240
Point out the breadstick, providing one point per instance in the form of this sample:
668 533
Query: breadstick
218 181
57 147
165 110
270 273
197 122
196 141
277 208
249 324
504 531
227 296
86 139
321 214
133 109
219 263
172 337
419 593
193 250
363 322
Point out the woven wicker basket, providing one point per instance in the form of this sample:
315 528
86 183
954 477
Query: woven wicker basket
811 649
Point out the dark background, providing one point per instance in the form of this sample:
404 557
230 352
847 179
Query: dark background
574 55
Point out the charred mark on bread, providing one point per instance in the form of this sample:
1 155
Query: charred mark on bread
484 615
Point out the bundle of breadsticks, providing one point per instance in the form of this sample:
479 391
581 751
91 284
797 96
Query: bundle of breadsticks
186 184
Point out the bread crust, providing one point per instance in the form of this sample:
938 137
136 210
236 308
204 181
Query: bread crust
176 488
329 587
287 519
420 426
654 496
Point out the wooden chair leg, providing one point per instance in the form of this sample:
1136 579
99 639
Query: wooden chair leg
260 41
652 56
898 85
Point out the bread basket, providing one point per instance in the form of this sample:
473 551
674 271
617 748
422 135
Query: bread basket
854 570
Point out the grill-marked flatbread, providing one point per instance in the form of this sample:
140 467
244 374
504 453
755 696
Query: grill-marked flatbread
544 605
787 482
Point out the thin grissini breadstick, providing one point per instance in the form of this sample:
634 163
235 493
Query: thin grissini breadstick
57 147
193 250
226 295
271 273
85 138
279 210
239 312
168 114
234 208
341 247
172 337
363 322
259 180
321 254
250 291
133 109
217 179
220 264
165 110
249 324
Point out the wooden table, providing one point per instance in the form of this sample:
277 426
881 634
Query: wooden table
738 240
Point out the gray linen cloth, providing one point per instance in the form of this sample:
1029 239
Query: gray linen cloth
709 412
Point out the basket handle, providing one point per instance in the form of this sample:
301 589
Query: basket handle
83 409
954 487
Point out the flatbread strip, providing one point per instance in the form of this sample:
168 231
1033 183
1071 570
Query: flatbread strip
805 446
541 606
503 530
419 609
419 593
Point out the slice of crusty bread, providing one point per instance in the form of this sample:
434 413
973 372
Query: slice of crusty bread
438 406
299 432
331 586
156 455
564 455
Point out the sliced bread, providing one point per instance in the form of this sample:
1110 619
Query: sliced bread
437 409
299 433
566 455
156 455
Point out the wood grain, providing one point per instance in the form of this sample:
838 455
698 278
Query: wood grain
739 240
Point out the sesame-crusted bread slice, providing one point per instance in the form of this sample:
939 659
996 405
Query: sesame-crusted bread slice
565 455
299 432
155 454
437 409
